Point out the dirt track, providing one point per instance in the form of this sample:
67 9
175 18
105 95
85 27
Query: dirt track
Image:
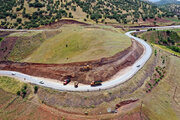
102 69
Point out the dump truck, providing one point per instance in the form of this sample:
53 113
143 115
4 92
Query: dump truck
66 81
76 84
96 83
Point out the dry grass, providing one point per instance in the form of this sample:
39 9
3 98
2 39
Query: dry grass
10 84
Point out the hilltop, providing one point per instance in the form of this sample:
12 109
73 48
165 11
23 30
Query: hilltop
34 13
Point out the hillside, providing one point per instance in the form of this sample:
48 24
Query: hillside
172 8
170 39
76 43
163 2
161 103
34 13
71 43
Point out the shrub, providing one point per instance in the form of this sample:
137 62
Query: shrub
155 52
86 113
23 93
19 20
1 39
19 27
25 87
18 93
35 89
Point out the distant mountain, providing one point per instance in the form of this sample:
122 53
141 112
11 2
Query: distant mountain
172 8
163 2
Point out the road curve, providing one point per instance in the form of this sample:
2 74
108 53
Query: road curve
105 85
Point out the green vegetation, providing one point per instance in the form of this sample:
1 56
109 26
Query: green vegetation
34 13
35 89
76 43
10 84
170 39
175 48
155 52
174 19
172 9
1 39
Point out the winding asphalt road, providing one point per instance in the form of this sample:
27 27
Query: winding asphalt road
105 85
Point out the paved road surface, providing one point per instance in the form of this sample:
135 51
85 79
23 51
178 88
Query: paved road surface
105 85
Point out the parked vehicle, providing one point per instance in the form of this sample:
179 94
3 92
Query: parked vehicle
76 84
96 83
138 66
41 82
66 81
13 73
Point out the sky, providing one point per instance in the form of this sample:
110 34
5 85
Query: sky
154 0
157 0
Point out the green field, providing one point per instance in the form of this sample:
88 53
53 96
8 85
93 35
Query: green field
76 43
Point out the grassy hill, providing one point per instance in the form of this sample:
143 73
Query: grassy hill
34 13
170 39
77 43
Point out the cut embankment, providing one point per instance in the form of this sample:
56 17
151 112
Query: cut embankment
101 69
19 45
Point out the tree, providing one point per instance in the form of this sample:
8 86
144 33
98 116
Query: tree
19 27
35 89
19 20
18 93
23 93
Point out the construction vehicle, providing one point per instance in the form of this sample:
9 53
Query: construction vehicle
66 81
86 68
96 83
76 84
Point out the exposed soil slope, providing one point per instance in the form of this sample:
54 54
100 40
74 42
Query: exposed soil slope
62 22
6 46
101 69
19 45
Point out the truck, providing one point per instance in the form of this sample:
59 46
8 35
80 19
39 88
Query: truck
96 83
66 81
76 84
